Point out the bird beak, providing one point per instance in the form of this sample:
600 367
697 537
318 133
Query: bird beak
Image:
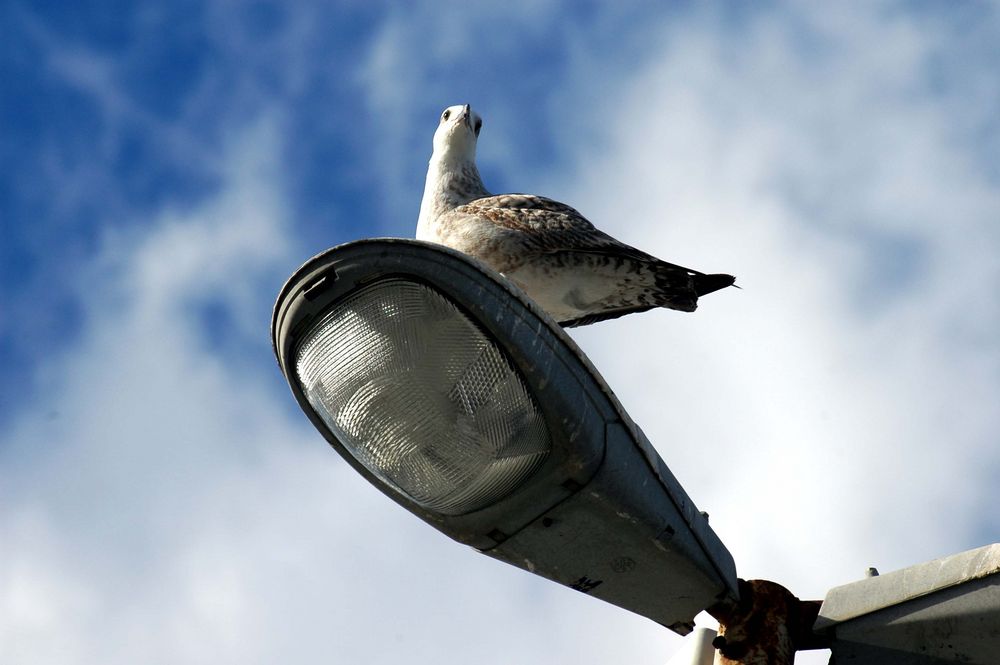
467 116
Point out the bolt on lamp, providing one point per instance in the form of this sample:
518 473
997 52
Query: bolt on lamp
455 395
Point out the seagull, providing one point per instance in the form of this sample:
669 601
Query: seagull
575 272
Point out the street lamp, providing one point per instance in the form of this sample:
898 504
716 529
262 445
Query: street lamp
456 396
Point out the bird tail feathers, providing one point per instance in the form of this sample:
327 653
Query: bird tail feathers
704 284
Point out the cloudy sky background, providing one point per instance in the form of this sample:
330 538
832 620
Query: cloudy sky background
164 166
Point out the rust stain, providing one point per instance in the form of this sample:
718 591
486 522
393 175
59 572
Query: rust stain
766 627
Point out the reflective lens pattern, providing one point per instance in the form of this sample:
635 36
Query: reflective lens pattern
422 397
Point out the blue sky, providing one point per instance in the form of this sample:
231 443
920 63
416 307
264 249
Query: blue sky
164 166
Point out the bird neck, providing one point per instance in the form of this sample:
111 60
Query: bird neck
450 183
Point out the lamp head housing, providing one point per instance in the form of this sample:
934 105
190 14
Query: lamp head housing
454 394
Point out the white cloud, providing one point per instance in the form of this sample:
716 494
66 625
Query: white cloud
166 504
422 59
833 414
836 413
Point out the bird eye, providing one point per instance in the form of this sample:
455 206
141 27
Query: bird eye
479 125
444 116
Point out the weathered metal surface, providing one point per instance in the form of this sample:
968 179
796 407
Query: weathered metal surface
875 593
629 539
942 611
766 627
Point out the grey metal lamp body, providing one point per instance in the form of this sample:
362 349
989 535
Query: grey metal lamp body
602 513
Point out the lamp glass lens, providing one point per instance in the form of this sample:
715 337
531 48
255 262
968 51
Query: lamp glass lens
422 397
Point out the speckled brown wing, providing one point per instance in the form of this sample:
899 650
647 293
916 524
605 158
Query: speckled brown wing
545 226
579 274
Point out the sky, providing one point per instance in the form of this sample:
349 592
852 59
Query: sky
164 166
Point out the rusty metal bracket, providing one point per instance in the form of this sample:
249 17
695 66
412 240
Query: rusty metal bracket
766 626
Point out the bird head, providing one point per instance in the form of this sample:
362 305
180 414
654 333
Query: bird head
457 132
